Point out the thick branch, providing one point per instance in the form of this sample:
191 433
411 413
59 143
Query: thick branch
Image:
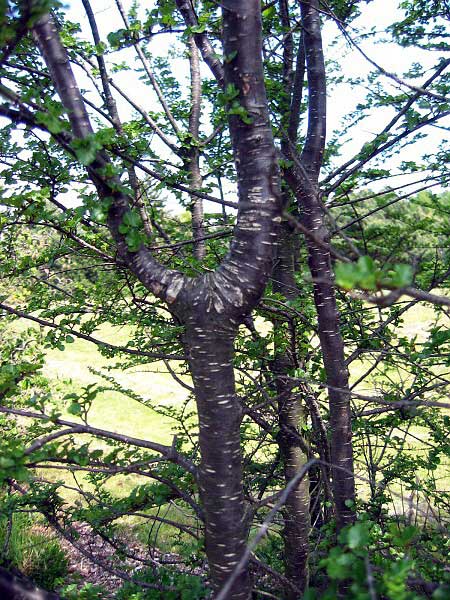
194 153
314 146
201 39
161 281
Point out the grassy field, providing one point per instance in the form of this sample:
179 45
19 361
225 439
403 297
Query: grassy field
70 370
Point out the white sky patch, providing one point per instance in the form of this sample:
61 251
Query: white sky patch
343 98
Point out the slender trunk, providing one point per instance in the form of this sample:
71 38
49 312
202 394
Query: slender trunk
305 186
296 511
194 154
332 347
210 348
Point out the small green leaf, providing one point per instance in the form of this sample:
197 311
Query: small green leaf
50 121
74 409
402 275
346 275
269 12
358 536
134 240
442 593
86 149
230 57
200 28
6 462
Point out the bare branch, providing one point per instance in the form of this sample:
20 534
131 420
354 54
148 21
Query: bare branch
168 452
83 336
201 39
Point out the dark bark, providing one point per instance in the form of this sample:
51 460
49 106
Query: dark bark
296 511
14 586
111 107
297 523
186 9
297 94
305 186
210 347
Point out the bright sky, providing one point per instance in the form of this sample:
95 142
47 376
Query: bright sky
342 99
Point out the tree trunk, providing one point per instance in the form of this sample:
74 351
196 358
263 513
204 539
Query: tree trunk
332 347
305 186
210 306
296 511
210 348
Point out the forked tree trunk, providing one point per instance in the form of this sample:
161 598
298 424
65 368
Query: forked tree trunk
209 306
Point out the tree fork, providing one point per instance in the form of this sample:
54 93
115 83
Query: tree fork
210 306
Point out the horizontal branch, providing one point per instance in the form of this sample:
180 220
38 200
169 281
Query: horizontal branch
391 298
89 338
169 452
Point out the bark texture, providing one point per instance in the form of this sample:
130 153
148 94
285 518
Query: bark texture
17 587
198 231
220 473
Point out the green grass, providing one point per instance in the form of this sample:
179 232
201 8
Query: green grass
69 371
416 323
33 550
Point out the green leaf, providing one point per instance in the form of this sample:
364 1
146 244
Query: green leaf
346 275
402 275
6 462
200 28
363 274
241 112
358 536
74 409
132 219
268 13
442 593
50 121
230 57
134 240
403 537
86 149
339 563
